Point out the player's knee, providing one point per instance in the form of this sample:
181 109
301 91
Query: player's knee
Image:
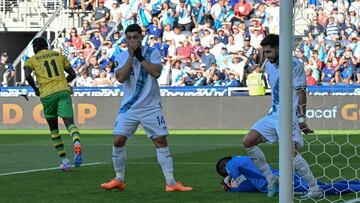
160 141
251 139
119 140
247 142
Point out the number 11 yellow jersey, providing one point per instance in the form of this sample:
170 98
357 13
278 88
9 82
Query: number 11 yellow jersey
49 69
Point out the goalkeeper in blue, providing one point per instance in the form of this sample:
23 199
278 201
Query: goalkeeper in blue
241 175
267 128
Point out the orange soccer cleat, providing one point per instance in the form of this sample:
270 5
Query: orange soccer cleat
178 187
113 184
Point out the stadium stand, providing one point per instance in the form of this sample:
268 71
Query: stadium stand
203 42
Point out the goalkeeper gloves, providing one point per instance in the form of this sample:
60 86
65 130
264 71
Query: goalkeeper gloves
138 54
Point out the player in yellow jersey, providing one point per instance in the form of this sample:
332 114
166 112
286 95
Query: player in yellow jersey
55 96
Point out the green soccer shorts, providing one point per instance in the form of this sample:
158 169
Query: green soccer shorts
58 104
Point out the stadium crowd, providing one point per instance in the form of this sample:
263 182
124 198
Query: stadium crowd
212 42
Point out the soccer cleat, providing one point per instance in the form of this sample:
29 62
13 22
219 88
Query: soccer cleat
77 155
273 187
65 167
314 193
178 187
113 184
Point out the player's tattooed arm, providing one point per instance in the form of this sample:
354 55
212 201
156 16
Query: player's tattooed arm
302 111
30 80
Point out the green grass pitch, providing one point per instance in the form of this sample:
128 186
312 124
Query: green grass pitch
194 152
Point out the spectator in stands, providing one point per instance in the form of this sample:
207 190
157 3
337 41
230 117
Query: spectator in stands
197 50
314 68
332 31
273 17
93 68
102 80
328 74
178 74
178 36
84 4
100 13
242 9
72 58
165 77
198 15
76 40
222 59
183 16
208 37
115 13
96 38
89 51
339 51
80 62
84 80
85 27
7 71
347 28
232 82
103 59
154 28
237 66
104 28
315 29
207 57
217 47
145 13
184 50
218 13
249 50
216 81
127 14
310 80
344 73
166 15
199 79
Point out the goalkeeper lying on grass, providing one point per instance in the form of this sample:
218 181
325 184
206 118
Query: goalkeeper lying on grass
241 175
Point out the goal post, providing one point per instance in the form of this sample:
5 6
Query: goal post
286 97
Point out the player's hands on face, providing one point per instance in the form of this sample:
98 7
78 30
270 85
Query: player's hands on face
305 128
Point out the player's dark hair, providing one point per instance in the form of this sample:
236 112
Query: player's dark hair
221 166
270 40
39 43
133 28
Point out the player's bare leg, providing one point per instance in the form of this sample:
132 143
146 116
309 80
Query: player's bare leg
251 142
118 157
58 144
75 135
166 163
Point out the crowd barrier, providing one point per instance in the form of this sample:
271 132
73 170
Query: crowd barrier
184 108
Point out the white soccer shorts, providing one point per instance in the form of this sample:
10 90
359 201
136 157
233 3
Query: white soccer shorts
151 119
269 127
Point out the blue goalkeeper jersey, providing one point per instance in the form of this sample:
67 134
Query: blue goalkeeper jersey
252 180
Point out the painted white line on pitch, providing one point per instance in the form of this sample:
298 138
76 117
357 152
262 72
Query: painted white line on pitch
179 163
47 169
353 200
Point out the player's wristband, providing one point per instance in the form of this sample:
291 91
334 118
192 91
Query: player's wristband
301 119
140 58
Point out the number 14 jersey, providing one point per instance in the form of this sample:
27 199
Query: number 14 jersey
49 69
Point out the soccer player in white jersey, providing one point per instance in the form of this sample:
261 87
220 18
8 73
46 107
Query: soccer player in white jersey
267 128
138 69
